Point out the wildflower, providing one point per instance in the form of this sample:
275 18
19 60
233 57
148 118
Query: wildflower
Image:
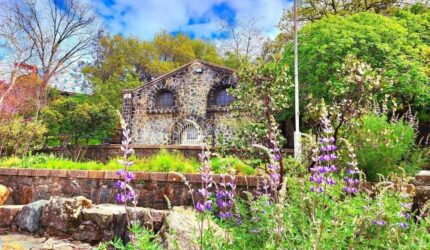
204 204
379 223
129 176
238 219
121 198
200 207
321 172
225 196
404 225
351 183
120 184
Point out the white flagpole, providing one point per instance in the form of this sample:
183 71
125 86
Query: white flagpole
297 134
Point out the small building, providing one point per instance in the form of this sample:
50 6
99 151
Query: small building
188 106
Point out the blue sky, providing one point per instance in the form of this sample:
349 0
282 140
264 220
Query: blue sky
197 18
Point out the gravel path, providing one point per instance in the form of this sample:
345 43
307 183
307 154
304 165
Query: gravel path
20 241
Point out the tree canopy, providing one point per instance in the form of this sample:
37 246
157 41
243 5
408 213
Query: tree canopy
395 46
124 62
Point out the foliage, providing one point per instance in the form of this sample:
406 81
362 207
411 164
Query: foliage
123 63
165 162
356 96
392 46
144 239
383 145
19 136
226 164
161 162
78 121
262 92
312 10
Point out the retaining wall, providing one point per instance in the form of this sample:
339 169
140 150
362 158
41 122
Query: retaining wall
29 185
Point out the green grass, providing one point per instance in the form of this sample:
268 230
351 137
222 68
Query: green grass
162 162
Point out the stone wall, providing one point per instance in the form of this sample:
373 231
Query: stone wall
194 87
30 185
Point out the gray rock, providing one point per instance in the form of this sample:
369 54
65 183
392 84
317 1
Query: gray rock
29 217
181 227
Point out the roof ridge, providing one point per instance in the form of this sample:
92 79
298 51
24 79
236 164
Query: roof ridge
180 68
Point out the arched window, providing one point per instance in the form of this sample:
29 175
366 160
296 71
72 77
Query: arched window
190 135
223 98
164 100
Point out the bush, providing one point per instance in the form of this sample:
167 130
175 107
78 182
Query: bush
162 162
19 136
224 165
382 146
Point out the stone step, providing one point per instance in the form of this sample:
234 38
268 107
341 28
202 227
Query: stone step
423 177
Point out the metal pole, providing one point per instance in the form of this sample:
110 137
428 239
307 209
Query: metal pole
297 144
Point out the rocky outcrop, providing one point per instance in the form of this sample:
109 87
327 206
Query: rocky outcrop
7 214
103 222
61 216
29 217
181 227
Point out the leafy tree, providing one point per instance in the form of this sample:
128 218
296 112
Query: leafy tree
77 122
389 45
124 62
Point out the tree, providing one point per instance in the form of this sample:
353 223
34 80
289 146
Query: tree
125 62
389 45
52 35
77 121
313 10
245 42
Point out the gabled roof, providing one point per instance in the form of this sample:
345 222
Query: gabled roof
212 65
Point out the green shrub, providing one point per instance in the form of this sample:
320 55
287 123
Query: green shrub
164 161
382 146
225 164
19 136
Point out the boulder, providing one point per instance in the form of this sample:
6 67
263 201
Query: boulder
62 216
4 194
29 217
104 221
8 213
181 227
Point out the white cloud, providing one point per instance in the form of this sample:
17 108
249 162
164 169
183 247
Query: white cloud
144 18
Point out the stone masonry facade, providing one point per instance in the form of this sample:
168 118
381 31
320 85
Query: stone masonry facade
192 102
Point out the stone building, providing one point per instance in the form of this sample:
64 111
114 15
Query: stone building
187 106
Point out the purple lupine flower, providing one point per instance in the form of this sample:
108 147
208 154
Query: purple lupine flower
121 198
321 172
204 204
120 172
120 185
129 176
200 207
225 196
238 219
379 223
351 183
404 225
